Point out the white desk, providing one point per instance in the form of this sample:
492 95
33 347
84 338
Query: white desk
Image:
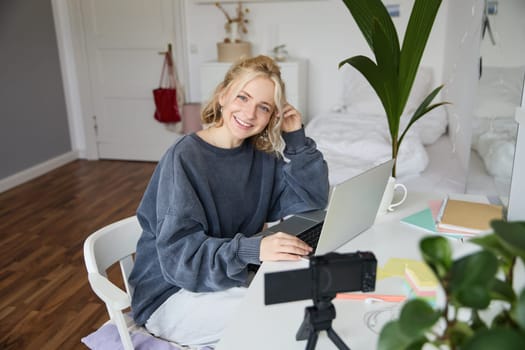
257 326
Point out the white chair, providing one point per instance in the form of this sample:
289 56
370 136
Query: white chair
111 244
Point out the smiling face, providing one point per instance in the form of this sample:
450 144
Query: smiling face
247 112
246 104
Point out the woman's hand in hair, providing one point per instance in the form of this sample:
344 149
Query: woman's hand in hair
292 119
282 246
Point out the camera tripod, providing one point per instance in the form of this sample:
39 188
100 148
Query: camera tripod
319 318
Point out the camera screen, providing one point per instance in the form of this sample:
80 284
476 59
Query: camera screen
340 277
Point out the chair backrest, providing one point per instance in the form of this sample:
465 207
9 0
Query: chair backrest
103 248
111 244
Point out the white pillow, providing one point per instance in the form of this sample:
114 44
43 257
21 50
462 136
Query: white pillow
358 95
499 92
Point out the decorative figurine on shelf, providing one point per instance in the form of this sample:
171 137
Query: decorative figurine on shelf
235 27
279 53
233 47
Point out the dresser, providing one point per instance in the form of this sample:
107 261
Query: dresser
294 73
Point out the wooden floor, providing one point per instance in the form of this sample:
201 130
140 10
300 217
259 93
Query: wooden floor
45 298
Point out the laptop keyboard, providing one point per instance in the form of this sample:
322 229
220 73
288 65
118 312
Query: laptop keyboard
311 236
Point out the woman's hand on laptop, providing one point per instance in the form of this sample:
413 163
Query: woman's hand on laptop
282 246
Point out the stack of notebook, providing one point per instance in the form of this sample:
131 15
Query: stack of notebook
421 280
455 218
417 279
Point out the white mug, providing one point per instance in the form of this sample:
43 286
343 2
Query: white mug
386 203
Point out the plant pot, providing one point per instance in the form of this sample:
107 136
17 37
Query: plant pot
387 203
231 52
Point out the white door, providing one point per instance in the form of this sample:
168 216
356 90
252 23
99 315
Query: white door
123 39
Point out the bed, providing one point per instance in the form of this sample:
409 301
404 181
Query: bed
494 127
354 136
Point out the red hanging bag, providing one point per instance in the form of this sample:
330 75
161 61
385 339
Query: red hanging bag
167 98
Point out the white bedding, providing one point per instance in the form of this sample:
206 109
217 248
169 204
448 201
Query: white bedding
355 137
353 142
495 141
494 127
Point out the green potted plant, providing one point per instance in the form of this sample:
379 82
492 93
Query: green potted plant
394 70
471 284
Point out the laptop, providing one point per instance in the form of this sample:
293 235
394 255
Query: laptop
352 209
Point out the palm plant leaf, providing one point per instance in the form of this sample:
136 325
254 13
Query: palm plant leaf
388 70
394 72
416 36
365 12
423 109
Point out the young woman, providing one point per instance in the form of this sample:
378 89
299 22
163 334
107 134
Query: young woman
211 193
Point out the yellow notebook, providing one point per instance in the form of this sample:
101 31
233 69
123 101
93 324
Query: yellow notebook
469 216
420 276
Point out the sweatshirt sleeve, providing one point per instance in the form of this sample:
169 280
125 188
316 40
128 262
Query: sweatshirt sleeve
189 257
301 179
197 262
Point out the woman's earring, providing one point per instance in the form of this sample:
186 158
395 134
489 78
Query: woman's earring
264 135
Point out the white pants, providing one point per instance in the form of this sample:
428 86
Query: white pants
195 319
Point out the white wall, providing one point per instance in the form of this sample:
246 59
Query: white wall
461 71
321 31
508 26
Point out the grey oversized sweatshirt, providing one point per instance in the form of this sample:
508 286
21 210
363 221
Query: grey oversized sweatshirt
202 206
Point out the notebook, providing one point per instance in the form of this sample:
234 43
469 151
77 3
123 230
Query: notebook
469 216
351 210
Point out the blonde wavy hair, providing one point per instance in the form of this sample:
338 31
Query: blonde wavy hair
240 73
